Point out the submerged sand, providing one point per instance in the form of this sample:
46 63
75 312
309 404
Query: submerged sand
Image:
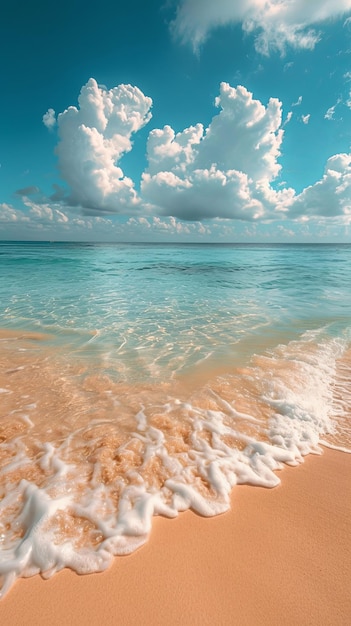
280 556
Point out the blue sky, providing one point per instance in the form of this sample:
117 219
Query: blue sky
181 120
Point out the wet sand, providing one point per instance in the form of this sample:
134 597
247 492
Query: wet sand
281 556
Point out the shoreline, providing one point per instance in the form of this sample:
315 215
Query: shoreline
280 555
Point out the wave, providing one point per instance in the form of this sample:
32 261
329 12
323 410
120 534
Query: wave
88 460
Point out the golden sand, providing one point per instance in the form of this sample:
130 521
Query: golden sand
280 556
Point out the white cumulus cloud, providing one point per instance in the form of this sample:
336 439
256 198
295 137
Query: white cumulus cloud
275 23
329 197
219 171
227 171
92 140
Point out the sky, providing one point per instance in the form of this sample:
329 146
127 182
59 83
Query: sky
176 120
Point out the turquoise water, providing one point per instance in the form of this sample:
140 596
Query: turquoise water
140 380
166 307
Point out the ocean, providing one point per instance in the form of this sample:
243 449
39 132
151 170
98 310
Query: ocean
148 379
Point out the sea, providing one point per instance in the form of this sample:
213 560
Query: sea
147 379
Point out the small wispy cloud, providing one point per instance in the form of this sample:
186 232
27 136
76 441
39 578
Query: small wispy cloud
288 118
306 118
329 115
298 102
276 25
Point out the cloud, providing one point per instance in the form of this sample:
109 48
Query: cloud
220 171
298 102
92 140
50 221
204 194
288 66
27 191
170 226
10 216
47 214
228 171
58 194
245 136
49 119
275 24
330 113
285 232
329 197
288 118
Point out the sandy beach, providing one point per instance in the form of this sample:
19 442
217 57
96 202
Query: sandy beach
280 556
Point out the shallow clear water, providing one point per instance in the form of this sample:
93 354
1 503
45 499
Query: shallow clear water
146 379
165 306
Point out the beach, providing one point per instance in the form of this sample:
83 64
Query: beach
175 314
162 424
280 555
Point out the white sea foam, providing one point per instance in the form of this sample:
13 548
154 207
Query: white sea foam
93 493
